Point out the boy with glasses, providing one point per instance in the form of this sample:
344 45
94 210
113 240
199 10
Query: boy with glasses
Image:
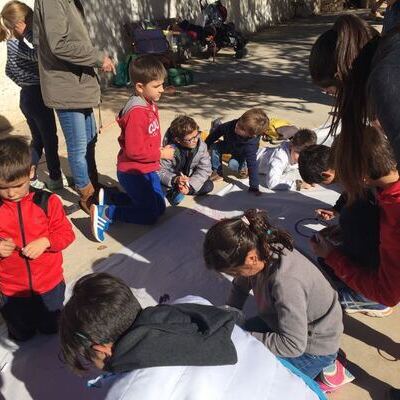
188 173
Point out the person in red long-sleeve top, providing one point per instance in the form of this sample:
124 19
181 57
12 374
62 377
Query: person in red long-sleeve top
381 284
33 232
139 157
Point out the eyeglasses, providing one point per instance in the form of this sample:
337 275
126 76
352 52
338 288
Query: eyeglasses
192 139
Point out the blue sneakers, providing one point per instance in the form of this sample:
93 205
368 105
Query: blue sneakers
353 302
100 223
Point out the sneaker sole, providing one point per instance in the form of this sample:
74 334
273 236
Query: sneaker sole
93 222
371 313
100 199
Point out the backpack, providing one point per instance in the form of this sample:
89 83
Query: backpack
41 199
150 41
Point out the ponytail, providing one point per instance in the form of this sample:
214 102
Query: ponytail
228 242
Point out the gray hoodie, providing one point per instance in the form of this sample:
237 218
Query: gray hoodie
298 304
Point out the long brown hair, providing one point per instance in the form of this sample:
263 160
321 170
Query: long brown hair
12 13
355 43
228 242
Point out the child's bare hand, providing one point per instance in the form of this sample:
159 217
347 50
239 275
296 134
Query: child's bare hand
36 248
167 152
7 246
320 246
182 180
326 215
305 185
184 189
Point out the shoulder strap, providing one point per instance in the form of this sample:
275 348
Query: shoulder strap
41 199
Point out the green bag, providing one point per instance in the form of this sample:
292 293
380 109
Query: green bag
121 78
180 76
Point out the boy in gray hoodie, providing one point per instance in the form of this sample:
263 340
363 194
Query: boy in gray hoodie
188 173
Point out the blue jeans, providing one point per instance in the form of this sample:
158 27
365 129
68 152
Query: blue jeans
310 364
42 125
143 202
79 127
217 150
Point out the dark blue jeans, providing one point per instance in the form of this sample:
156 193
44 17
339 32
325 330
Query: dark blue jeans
43 128
79 127
143 203
39 312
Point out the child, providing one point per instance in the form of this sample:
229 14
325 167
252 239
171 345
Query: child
274 162
241 138
378 284
139 158
33 232
299 312
22 69
190 169
358 228
187 350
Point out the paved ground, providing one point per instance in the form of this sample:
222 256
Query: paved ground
273 76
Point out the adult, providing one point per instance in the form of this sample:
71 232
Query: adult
368 94
366 90
70 85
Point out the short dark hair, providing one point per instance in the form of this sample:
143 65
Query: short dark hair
313 161
181 126
101 309
15 158
379 157
147 68
228 242
303 138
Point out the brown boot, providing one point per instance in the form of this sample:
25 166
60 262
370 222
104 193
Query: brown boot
86 197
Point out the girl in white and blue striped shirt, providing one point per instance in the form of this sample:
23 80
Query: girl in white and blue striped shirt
22 69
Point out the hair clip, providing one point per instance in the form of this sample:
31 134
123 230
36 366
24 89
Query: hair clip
245 220
269 232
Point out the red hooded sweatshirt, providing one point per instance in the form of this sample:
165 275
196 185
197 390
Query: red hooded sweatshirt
381 285
140 138
23 222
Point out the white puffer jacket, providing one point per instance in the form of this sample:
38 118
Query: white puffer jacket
257 375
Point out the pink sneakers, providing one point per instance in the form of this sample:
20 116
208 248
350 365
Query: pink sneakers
334 377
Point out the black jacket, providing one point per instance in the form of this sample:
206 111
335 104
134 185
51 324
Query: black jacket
384 88
176 335
242 149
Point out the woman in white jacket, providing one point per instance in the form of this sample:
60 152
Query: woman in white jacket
189 350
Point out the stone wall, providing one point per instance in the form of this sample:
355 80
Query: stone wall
107 17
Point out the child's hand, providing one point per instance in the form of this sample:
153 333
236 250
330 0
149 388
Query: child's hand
7 246
326 215
320 246
305 185
36 248
254 191
182 180
184 189
167 152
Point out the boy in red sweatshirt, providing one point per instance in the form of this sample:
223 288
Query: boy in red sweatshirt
139 158
33 232
381 284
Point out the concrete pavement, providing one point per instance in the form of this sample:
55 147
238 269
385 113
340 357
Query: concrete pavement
274 76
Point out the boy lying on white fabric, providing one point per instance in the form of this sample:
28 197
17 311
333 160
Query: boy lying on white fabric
276 162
